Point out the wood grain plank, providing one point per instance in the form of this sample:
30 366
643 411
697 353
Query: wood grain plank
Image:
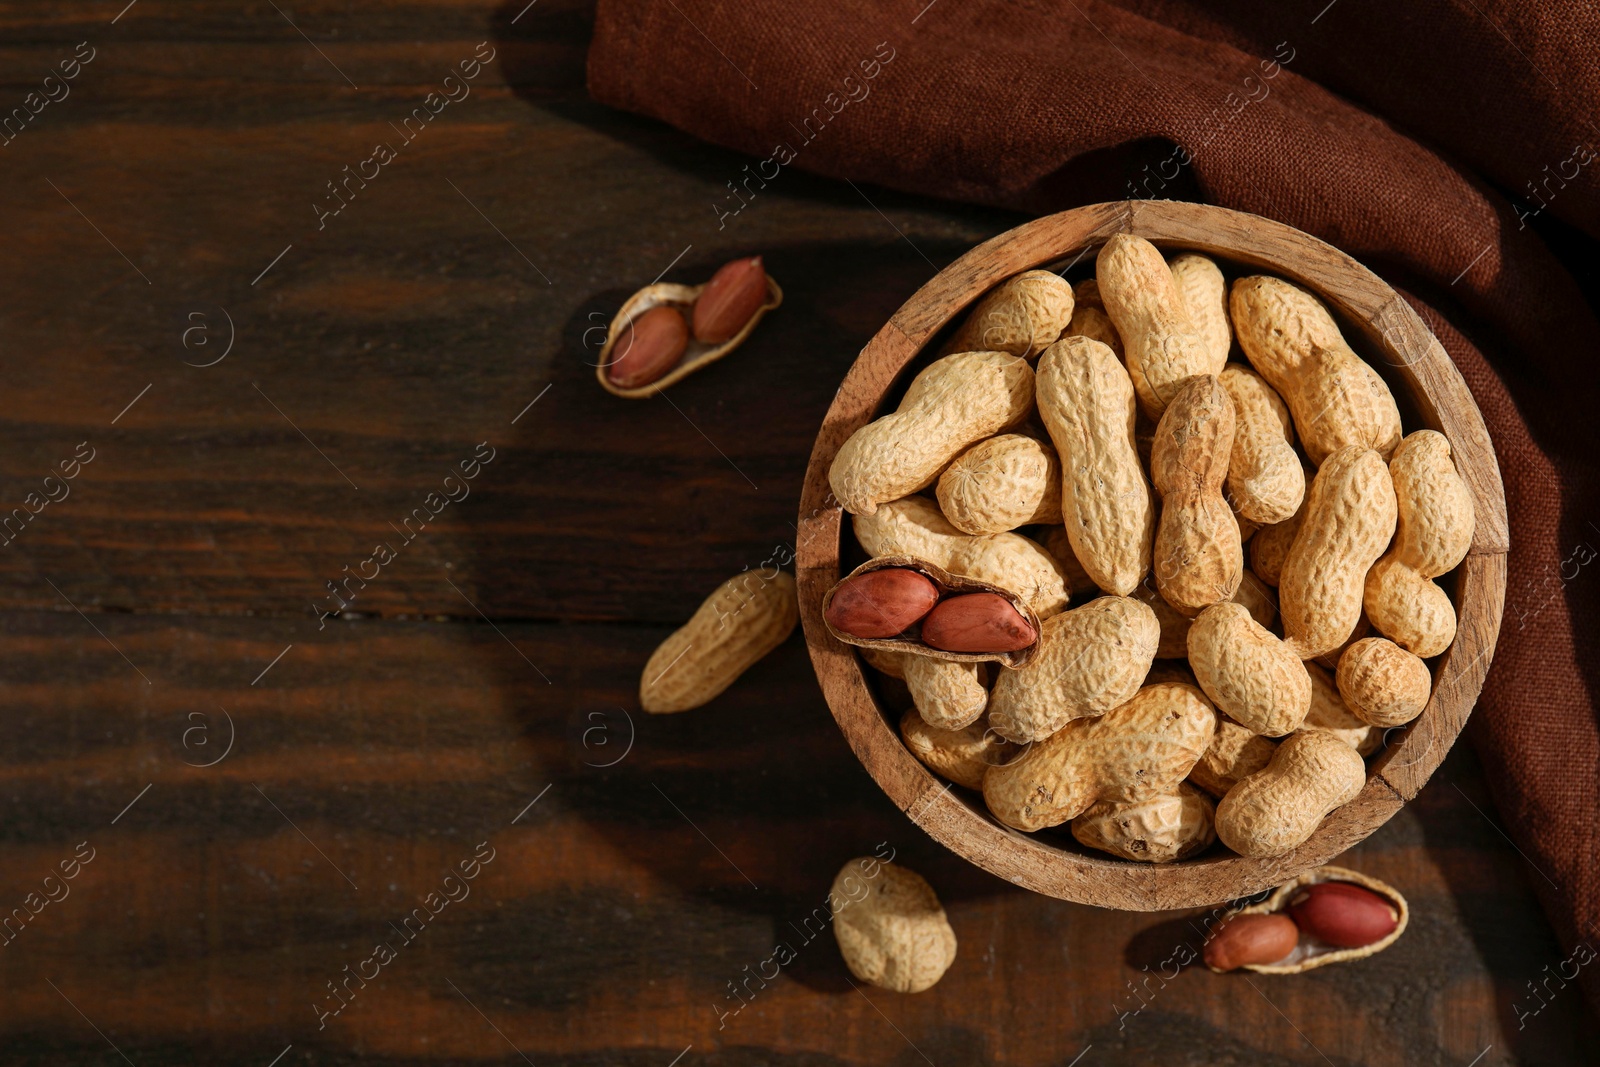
386 353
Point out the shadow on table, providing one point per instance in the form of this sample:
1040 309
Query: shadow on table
654 502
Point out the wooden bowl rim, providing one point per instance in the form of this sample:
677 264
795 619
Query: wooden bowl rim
1436 389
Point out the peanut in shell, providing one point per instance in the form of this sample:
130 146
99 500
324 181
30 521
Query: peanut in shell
1136 751
954 402
746 617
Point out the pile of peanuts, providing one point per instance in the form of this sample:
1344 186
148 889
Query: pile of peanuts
1187 698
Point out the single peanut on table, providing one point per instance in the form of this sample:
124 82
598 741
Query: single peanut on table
1265 480
744 619
1349 519
914 526
1291 340
999 484
892 931
1197 557
1276 810
1090 660
954 402
1435 530
1139 750
1162 343
1086 401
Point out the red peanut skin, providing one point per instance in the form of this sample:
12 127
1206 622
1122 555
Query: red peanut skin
649 347
729 299
1251 939
977 622
882 603
1342 914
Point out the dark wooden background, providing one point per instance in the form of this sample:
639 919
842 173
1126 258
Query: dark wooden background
165 608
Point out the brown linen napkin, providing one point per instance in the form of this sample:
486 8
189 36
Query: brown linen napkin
1043 106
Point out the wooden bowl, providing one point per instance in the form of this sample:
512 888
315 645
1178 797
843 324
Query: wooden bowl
1380 325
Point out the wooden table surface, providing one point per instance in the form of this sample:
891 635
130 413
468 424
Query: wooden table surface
252 797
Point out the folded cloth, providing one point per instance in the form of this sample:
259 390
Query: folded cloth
1383 129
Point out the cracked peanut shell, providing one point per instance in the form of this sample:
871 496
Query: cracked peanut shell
1310 953
948 585
697 356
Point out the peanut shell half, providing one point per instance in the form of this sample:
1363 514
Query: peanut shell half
1310 953
697 356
